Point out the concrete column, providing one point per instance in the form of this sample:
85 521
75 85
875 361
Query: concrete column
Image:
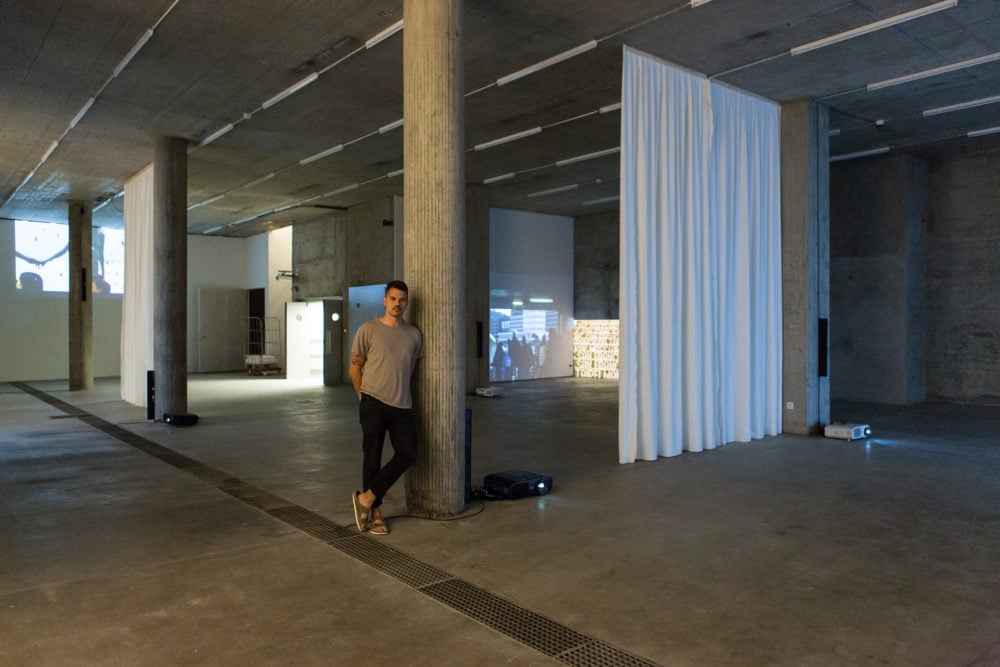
434 247
477 287
170 275
81 298
805 264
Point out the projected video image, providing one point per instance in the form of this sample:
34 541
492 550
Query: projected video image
526 344
41 261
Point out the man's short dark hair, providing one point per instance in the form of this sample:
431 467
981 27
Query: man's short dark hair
397 284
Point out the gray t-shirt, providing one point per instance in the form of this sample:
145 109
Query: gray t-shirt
390 353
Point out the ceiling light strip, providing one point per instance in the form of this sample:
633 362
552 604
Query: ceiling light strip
508 138
548 62
907 78
980 133
552 191
602 200
873 27
851 156
391 126
210 200
962 105
123 63
291 90
588 156
321 154
215 135
501 177
385 34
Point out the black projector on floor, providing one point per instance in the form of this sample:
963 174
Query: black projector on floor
517 484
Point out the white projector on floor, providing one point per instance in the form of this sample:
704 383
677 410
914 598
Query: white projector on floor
848 431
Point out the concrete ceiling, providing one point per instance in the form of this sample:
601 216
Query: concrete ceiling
209 63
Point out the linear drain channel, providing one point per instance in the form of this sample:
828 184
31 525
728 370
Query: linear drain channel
532 629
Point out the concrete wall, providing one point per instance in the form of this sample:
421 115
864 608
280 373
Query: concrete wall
213 261
595 266
963 280
344 249
877 245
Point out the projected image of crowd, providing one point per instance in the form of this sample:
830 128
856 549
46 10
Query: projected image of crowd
527 344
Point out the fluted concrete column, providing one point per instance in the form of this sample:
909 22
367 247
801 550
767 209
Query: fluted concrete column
434 247
81 311
805 264
170 273
477 286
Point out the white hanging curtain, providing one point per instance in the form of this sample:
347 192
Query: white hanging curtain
700 303
137 301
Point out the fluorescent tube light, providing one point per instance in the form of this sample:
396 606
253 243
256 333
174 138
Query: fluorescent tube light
322 154
208 201
394 174
212 230
391 126
552 191
517 302
215 135
131 54
611 107
699 3
979 133
907 78
548 62
352 186
834 132
385 34
55 144
851 156
963 105
588 156
256 181
497 179
291 90
80 114
602 200
508 138
872 27
540 299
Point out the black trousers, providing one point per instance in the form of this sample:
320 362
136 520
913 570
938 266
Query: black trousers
377 419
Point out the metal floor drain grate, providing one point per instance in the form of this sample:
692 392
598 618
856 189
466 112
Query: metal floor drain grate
599 654
309 522
524 625
394 563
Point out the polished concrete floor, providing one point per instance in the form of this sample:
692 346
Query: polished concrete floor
123 542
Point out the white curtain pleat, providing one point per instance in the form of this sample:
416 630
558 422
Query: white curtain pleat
137 300
700 263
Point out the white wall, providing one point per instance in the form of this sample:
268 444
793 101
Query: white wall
34 329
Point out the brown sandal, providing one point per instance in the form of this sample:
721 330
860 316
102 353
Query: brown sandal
378 527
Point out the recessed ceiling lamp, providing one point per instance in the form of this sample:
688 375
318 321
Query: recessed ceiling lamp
851 156
907 78
872 27
979 133
508 138
548 62
963 105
